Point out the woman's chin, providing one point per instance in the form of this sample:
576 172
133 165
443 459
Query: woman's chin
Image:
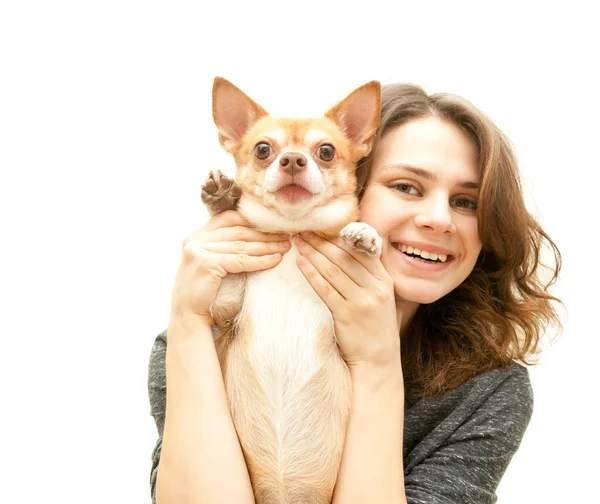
421 294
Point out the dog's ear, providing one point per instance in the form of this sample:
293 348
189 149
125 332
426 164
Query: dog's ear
357 115
233 112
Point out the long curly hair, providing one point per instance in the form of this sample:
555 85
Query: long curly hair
499 314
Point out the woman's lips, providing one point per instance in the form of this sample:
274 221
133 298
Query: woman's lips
422 264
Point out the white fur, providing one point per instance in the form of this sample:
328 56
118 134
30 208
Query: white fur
278 135
311 177
286 314
315 136
332 215
363 237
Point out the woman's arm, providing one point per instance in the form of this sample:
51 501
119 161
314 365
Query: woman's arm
360 295
201 460
466 458
372 468
200 456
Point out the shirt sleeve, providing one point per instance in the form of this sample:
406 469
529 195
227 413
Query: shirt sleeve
157 389
467 467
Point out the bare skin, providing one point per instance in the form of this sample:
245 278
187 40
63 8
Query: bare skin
201 459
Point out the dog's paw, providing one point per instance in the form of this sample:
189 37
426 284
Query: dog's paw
220 193
363 237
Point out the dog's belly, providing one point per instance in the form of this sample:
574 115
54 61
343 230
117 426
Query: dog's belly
287 318
292 423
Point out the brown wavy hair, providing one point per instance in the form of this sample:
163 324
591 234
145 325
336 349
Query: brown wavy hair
499 314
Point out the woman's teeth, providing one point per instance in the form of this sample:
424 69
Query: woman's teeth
422 253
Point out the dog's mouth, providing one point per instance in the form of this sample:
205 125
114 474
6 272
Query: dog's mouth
293 193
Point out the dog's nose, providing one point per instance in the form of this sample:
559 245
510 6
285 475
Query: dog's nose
293 162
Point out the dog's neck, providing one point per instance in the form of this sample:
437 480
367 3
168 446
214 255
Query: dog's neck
326 219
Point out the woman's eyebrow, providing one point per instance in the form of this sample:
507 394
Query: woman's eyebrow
427 175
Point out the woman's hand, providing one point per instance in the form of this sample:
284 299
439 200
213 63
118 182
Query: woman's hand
226 244
360 294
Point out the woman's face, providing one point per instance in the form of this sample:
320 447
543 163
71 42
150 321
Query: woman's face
422 198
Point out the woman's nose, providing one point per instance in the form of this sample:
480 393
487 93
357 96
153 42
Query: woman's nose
436 215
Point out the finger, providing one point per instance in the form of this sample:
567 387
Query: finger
228 218
244 247
343 259
244 263
331 272
232 234
330 296
237 233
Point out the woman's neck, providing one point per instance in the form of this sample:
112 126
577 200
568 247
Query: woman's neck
405 311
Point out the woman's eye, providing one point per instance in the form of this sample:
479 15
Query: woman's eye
326 152
465 203
405 187
262 150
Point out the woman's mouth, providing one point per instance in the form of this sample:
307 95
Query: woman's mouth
422 255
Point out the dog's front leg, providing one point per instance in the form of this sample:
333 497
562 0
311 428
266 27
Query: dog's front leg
220 193
363 237
228 303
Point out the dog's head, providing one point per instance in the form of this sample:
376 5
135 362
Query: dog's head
297 174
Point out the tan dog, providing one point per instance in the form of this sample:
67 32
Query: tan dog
288 387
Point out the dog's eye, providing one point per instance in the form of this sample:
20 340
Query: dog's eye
326 152
262 150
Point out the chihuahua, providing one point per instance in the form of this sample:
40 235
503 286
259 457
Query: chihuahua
288 388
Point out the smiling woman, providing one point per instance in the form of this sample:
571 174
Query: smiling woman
443 180
442 190
421 198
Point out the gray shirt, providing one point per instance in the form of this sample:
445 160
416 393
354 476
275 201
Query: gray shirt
457 445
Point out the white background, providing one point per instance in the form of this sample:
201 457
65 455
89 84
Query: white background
106 135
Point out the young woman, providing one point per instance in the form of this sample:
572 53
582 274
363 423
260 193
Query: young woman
438 412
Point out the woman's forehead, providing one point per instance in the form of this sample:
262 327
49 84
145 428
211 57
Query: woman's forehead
430 144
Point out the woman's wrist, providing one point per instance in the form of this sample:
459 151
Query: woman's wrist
190 321
374 375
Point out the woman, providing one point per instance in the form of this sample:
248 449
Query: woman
439 412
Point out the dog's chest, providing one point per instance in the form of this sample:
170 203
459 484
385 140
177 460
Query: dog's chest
286 318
